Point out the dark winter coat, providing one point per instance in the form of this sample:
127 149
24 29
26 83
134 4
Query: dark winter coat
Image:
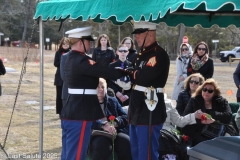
2 68
58 80
104 57
132 55
151 69
206 70
81 72
220 111
62 64
236 77
113 108
182 101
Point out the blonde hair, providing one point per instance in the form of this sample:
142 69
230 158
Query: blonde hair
209 81
188 79
63 40
73 40
121 45
103 81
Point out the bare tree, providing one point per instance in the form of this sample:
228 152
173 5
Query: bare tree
181 31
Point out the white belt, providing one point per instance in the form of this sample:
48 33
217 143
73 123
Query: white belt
144 89
82 91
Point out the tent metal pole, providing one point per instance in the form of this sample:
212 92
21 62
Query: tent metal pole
41 89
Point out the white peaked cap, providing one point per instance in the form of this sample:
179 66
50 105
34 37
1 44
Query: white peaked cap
79 32
142 26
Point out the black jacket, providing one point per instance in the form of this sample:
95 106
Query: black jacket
104 57
182 101
58 80
113 108
151 69
132 55
206 70
2 68
221 111
236 78
81 72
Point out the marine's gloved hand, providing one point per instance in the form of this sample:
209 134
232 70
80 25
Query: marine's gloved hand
130 70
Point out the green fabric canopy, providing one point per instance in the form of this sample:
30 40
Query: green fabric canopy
172 12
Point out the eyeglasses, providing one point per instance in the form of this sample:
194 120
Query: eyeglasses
127 43
192 81
209 90
184 49
125 51
203 49
65 43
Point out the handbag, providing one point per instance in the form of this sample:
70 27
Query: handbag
102 133
214 130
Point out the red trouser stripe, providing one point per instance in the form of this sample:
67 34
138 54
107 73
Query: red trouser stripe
79 150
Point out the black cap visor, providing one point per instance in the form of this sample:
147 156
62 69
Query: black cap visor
89 38
139 30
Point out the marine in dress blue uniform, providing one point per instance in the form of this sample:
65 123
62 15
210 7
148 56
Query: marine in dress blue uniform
82 106
150 70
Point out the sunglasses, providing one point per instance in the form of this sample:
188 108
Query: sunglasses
125 51
203 49
209 90
192 81
127 43
65 43
184 49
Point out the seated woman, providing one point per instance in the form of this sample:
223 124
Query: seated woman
207 98
173 117
101 146
191 83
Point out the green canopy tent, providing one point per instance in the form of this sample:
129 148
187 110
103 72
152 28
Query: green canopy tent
172 12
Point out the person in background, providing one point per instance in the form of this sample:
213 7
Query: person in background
236 78
2 68
131 48
101 146
200 62
64 87
207 98
103 53
149 75
82 107
181 66
237 119
122 87
2 72
58 82
191 83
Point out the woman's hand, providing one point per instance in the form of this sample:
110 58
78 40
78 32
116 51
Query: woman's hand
121 96
109 128
181 78
208 121
198 114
